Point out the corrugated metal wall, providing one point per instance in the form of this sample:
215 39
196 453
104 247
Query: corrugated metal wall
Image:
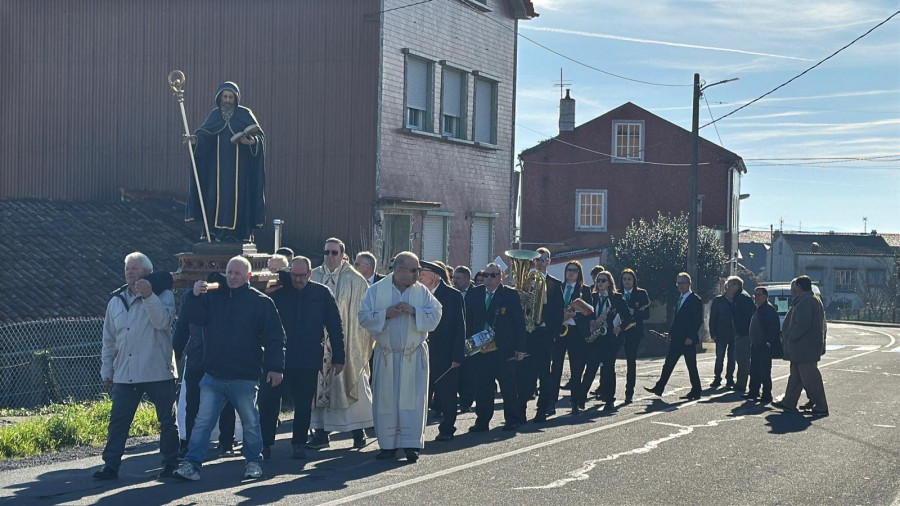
88 109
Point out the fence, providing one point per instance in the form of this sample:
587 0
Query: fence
886 315
48 361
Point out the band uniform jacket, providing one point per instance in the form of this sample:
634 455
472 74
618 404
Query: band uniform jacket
446 343
688 321
619 308
640 302
552 312
504 314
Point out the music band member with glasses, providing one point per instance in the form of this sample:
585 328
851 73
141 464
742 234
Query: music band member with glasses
638 302
576 332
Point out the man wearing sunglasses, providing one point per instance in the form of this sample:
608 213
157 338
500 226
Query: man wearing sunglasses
343 402
499 307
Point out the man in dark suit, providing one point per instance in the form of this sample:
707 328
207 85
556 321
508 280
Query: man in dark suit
683 338
535 368
446 346
499 307
365 263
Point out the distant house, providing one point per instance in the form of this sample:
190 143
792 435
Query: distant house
845 266
389 124
583 187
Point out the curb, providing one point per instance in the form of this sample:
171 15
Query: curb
866 324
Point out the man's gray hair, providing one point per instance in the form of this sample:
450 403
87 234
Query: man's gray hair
369 258
494 264
300 259
278 258
241 260
145 262
736 280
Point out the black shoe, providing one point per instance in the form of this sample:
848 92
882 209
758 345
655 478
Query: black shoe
412 455
359 439
168 471
628 399
386 454
784 407
575 411
551 412
444 437
106 473
581 406
655 391
223 450
691 396
609 406
318 440
729 385
806 407
539 418
478 428
766 399
266 452
750 396
816 412
716 383
465 409
510 427
596 391
299 452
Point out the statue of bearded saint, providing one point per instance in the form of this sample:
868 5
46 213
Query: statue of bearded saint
230 157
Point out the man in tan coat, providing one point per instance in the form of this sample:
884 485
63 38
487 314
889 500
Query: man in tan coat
343 402
803 335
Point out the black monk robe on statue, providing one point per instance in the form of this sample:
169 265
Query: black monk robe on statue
230 157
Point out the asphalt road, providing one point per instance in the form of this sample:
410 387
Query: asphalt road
718 450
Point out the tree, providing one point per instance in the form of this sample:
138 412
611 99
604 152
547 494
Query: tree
657 251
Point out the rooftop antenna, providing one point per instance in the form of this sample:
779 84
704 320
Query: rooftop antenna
561 84
865 223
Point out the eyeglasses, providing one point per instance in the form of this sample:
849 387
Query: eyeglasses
602 280
332 252
491 274
682 282
542 260
571 270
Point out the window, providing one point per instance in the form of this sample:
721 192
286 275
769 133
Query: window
875 278
418 93
485 111
482 242
453 102
844 280
628 141
434 238
590 210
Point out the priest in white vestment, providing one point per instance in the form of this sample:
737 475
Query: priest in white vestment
400 312
343 402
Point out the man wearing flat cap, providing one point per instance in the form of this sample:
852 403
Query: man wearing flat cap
446 346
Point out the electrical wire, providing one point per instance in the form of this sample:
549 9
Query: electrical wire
708 108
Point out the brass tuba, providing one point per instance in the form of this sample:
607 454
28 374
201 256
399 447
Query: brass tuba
531 286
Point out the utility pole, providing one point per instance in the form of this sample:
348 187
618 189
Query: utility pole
695 162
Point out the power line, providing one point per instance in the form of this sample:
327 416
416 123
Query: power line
782 85
401 7
838 158
708 108
573 60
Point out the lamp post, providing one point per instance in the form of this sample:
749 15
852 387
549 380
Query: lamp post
695 160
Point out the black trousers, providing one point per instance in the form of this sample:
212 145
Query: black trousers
489 368
302 385
724 351
125 400
760 370
560 348
609 345
444 392
535 370
589 359
191 383
676 350
632 341
466 383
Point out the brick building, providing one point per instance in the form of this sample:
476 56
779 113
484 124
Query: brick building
387 124
585 186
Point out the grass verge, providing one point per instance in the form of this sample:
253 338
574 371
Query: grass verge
69 424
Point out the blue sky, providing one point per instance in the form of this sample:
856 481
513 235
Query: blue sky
848 107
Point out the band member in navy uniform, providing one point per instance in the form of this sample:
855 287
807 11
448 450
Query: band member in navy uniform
683 335
638 302
573 342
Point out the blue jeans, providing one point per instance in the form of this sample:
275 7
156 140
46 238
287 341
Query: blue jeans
213 394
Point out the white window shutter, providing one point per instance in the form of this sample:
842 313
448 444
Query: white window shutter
416 84
481 243
484 105
452 93
434 238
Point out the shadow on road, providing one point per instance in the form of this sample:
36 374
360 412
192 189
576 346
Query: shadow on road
787 422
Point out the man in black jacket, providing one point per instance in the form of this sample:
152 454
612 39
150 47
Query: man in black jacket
764 330
683 338
446 346
243 336
306 309
499 307
742 308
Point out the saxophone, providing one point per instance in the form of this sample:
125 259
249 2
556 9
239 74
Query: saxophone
602 329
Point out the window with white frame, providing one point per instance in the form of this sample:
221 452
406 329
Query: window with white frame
434 238
590 210
418 92
485 111
844 280
628 141
453 103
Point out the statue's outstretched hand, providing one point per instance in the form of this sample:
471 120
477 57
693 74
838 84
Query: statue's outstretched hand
189 138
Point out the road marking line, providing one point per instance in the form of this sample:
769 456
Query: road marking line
551 442
867 347
895 350
885 426
833 347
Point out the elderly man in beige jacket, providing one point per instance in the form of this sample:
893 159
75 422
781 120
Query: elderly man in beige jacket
803 336
137 358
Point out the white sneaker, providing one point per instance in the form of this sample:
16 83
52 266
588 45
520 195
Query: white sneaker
253 471
187 471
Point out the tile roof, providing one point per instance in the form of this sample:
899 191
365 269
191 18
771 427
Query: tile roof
62 259
838 244
760 236
893 240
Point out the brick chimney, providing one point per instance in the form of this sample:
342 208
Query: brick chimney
566 113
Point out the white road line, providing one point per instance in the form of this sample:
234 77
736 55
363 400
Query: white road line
562 439
868 347
885 426
833 347
895 350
